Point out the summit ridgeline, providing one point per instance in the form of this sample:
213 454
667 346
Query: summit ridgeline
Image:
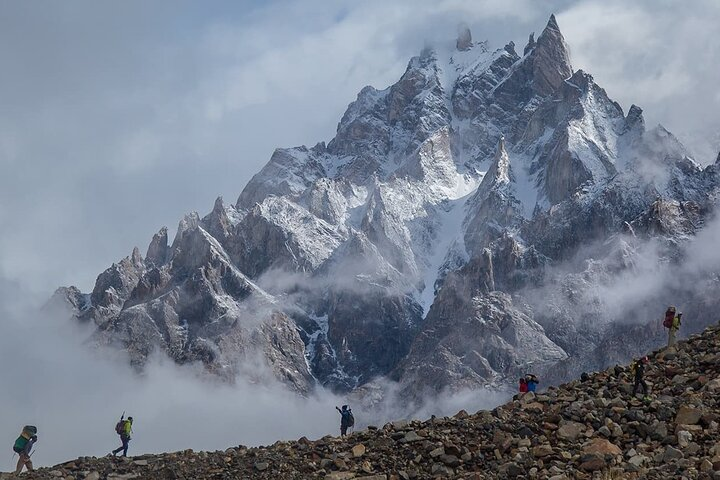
588 429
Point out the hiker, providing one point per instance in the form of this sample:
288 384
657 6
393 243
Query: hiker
672 322
124 429
637 368
532 382
523 385
346 419
23 446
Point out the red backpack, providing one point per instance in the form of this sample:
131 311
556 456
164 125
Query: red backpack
669 317
120 427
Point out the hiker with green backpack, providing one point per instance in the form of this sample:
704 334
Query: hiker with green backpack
124 429
23 446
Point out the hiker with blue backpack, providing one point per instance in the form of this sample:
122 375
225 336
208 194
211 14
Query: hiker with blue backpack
23 446
347 419
532 382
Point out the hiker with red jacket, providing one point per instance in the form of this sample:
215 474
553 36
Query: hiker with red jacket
523 385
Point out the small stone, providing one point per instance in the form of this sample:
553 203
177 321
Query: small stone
411 437
684 438
437 452
450 460
339 476
592 462
570 431
358 450
439 469
601 446
261 466
515 470
688 415
671 454
542 450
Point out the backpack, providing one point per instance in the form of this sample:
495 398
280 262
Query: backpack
633 367
347 418
120 427
669 317
20 443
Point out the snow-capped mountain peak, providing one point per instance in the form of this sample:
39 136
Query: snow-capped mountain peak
426 242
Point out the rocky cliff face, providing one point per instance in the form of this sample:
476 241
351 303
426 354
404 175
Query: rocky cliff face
594 428
465 224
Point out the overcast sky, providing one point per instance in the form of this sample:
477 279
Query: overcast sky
116 118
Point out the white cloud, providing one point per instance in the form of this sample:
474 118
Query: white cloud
74 395
661 57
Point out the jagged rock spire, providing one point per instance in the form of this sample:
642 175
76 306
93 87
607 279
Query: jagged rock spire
500 168
499 172
530 45
136 257
510 48
634 119
464 39
158 249
217 222
551 63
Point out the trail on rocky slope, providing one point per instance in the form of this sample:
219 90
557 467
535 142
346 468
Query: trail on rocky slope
580 430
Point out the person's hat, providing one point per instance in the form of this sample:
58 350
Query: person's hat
671 308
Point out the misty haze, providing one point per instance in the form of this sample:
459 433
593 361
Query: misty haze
226 221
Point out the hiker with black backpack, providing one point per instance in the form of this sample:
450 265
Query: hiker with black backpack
23 446
672 323
347 420
124 429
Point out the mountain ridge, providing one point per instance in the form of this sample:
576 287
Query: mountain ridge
428 225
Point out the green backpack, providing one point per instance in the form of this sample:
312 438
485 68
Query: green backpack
28 432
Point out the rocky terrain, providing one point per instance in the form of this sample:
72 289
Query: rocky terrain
580 430
492 212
